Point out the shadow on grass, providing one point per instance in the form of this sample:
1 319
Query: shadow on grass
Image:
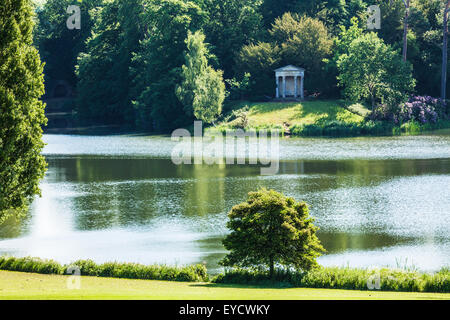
273 285
267 107
326 109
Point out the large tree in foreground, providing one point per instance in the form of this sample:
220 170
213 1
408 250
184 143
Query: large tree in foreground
271 229
21 113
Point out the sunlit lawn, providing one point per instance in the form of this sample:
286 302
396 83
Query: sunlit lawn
14 285
307 112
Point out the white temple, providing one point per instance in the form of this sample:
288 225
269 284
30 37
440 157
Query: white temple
290 82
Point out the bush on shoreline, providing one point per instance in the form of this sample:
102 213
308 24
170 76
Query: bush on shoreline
195 273
342 278
325 278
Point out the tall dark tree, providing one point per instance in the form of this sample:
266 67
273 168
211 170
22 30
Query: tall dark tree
21 113
333 13
103 69
272 9
231 24
405 28
59 47
156 67
271 229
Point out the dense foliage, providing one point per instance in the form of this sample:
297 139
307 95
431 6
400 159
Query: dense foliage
373 72
126 61
343 278
21 113
108 269
271 229
293 39
58 46
420 109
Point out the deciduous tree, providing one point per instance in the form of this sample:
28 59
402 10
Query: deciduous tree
271 229
374 71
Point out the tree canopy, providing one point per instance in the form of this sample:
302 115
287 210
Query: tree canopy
271 229
373 70
126 61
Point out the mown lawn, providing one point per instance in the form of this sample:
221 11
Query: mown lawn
15 285
300 113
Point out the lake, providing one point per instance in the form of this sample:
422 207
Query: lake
382 201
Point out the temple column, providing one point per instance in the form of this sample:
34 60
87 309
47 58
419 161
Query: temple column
302 95
278 85
284 86
295 87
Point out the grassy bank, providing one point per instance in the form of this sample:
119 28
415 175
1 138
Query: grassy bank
331 118
344 278
324 278
15 285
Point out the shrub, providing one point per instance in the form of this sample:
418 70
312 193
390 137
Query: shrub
341 278
271 229
421 109
342 129
110 269
33 265
87 267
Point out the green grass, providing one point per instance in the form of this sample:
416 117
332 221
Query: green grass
15 285
298 113
324 277
407 280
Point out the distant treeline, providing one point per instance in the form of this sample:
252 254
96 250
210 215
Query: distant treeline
126 60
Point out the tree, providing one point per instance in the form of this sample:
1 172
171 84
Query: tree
156 66
104 68
21 113
196 63
405 29
340 47
444 52
202 91
209 95
58 46
259 60
392 26
373 70
333 13
231 24
270 229
304 42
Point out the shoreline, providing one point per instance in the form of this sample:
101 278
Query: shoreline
25 286
392 280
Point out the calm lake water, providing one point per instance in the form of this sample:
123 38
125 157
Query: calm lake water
378 201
